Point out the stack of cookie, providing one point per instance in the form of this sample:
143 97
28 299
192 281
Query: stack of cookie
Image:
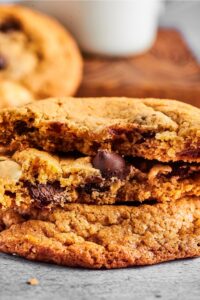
100 182
38 57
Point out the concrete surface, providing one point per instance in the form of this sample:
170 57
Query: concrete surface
174 280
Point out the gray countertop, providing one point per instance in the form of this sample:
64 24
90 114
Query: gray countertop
174 280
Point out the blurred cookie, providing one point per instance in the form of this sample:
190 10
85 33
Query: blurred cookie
13 94
38 53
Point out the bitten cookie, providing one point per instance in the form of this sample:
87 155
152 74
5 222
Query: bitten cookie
31 178
37 53
164 130
107 236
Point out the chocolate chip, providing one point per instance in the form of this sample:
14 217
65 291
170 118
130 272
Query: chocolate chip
110 164
145 136
123 133
88 188
3 63
95 146
56 127
94 183
45 193
134 203
119 131
190 152
10 25
184 170
21 127
148 135
140 163
179 171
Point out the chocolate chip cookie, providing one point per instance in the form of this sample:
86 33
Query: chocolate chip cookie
107 236
163 130
13 94
137 152
33 178
37 53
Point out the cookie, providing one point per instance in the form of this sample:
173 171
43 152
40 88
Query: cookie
13 94
164 130
108 236
32 178
38 53
8 218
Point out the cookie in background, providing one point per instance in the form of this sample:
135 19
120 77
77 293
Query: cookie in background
38 57
13 94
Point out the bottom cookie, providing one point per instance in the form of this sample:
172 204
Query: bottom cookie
107 236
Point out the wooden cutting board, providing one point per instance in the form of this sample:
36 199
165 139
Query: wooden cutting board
168 70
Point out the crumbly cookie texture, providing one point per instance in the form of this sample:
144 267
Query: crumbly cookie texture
38 53
9 218
164 130
34 178
108 236
14 94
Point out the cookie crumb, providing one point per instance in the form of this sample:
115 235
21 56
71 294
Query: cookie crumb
33 281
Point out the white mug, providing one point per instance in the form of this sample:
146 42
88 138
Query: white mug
108 27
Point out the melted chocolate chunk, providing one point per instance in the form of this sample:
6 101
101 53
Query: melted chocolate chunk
88 188
183 171
10 194
10 25
3 63
140 163
190 152
95 146
179 169
130 134
21 127
110 164
122 132
56 127
93 184
45 193
136 203
146 136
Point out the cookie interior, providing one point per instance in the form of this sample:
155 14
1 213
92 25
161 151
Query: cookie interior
34 178
164 130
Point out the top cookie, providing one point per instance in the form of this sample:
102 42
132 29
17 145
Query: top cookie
164 130
37 53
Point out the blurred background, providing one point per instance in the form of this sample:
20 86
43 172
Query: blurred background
127 55
184 15
134 48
